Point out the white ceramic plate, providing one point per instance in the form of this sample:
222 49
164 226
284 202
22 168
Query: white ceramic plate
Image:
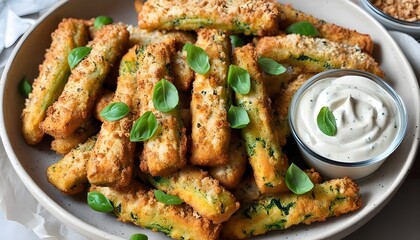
31 162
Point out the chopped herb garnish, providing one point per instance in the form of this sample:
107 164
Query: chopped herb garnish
270 66
303 28
239 79
197 58
25 87
115 111
144 128
98 202
101 21
237 117
77 54
326 122
165 96
297 180
167 198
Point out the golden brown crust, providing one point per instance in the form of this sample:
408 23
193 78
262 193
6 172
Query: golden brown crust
53 75
65 145
281 107
332 198
330 31
69 174
105 97
255 17
166 151
111 163
203 193
76 102
210 129
269 164
136 204
316 54
231 173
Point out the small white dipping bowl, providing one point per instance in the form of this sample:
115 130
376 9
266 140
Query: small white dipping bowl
334 167
391 23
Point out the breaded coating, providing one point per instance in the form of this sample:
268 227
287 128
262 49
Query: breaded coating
332 198
183 75
164 153
139 36
247 190
69 174
203 193
210 129
65 145
281 107
254 17
111 163
137 204
75 104
269 164
104 98
316 54
53 75
330 31
231 173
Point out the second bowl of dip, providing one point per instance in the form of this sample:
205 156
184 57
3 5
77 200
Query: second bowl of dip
370 120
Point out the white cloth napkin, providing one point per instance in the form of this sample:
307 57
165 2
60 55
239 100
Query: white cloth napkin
13 25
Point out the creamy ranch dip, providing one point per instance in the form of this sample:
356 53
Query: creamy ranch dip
366 116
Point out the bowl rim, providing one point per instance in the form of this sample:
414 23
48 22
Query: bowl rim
396 99
386 16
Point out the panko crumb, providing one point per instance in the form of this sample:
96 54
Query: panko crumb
407 10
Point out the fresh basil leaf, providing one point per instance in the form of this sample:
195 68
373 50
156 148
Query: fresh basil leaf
239 79
98 202
77 54
167 198
197 58
236 41
326 122
303 28
100 21
237 117
25 87
144 128
297 180
138 236
115 111
270 66
165 96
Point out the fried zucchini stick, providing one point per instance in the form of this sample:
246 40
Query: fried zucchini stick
104 98
183 75
210 130
69 174
111 163
231 173
254 17
331 198
330 31
166 152
137 204
316 54
203 193
281 107
65 145
247 190
53 75
268 162
76 103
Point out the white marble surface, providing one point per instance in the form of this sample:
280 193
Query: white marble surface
398 218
